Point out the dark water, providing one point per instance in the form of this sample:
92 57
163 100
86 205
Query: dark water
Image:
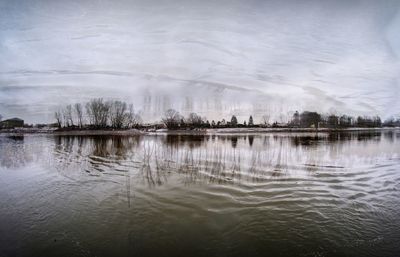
225 195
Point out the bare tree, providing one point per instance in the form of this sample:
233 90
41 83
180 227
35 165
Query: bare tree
65 118
118 114
68 118
266 119
1 117
172 118
79 114
194 120
58 117
98 112
134 119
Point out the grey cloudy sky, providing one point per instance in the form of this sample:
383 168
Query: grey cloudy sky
214 57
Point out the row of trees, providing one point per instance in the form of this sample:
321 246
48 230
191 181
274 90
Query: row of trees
98 113
392 122
173 120
313 119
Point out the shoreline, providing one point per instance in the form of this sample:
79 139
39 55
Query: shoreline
215 131
296 130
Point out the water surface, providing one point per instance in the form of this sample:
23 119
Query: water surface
201 195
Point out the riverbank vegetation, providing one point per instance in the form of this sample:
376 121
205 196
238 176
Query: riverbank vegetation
173 120
99 114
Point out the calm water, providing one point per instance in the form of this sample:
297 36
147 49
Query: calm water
225 195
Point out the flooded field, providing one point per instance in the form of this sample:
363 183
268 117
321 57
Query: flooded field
201 195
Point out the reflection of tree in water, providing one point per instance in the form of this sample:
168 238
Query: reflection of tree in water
182 140
234 141
366 136
333 138
152 168
390 135
93 153
218 162
118 147
153 160
100 146
110 164
306 140
251 140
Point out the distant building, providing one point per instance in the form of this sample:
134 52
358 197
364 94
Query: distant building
12 123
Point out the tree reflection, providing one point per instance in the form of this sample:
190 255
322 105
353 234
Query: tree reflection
251 140
154 160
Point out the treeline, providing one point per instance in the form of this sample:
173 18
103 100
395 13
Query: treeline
99 114
392 122
173 120
313 119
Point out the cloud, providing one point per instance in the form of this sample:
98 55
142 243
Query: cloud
256 56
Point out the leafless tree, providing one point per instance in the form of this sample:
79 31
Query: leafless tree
68 116
65 118
98 112
1 117
118 114
58 117
194 120
265 119
171 119
79 114
134 119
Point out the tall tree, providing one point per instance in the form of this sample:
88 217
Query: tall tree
234 121
98 112
68 115
309 119
296 119
194 120
265 119
58 117
333 121
134 119
118 114
79 114
172 119
345 121
251 121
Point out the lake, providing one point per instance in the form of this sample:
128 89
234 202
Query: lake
201 195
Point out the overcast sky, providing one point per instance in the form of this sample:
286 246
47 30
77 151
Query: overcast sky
223 57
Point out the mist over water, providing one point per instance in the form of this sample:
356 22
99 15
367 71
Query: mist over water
216 58
201 195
